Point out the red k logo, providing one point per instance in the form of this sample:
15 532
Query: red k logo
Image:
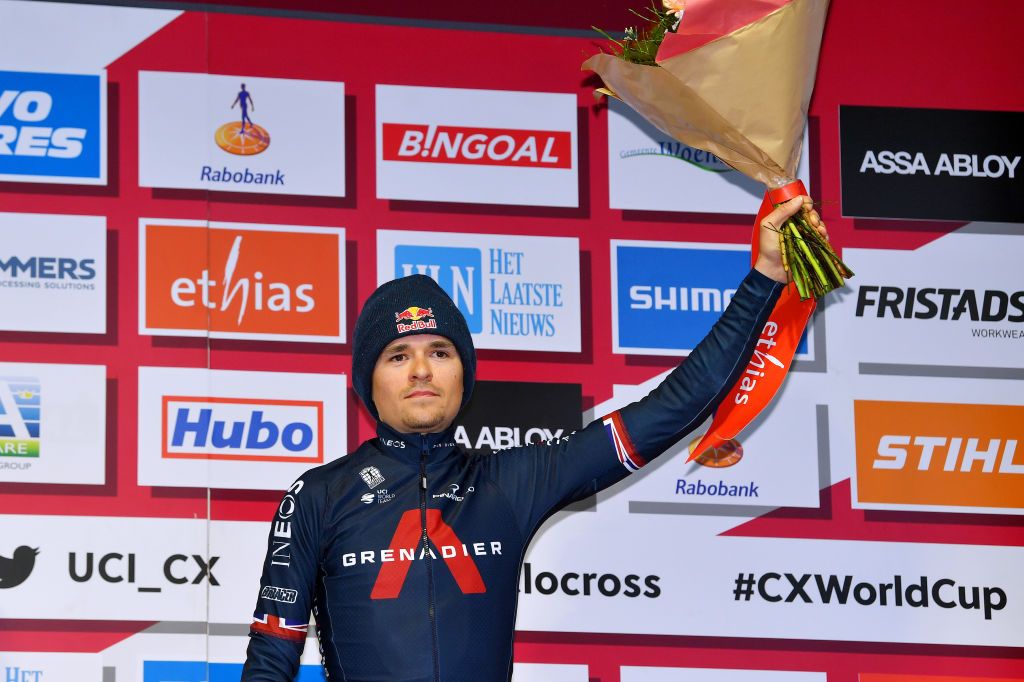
407 537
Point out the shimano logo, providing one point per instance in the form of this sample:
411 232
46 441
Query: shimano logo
683 299
49 267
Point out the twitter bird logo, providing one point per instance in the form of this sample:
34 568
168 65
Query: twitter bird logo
15 571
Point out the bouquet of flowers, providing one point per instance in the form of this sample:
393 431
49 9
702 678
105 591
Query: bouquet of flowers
734 78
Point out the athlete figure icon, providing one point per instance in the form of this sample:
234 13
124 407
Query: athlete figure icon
244 101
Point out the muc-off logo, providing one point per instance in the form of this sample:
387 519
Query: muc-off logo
703 160
456 269
242 429
52 127
20 416
281 594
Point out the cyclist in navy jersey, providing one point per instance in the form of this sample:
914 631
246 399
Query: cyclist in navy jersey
407 551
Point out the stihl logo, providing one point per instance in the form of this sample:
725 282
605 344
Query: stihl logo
479 146
241 282
406 547
940 455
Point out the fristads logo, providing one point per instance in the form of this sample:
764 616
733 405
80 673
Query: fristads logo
476 146
962 288
939 456
20 416
53 272
520 293
205 671
53 127
649 171
222 134
263 282
932 164
667 296
232 429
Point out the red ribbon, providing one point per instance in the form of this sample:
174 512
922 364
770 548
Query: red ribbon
773 353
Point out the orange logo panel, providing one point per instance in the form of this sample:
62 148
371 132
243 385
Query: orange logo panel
242 282
939 454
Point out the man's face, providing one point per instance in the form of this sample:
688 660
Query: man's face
417 384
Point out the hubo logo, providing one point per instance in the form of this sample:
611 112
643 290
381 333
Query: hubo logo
515 292
234 429
937 164
243 429
52 127
15 570
220 139
20 416
939 456
243 137
476 146
225 280
672 149
667 296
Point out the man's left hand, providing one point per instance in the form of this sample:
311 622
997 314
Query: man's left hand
769 258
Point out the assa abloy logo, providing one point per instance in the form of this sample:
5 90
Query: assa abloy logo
52 127
242 429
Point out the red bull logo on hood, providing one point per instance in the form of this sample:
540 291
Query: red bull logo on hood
412 318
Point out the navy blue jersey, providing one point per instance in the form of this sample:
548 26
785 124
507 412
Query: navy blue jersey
407 551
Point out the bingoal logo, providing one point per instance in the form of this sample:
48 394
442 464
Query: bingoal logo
480 146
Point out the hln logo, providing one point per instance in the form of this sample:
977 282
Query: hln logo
456 269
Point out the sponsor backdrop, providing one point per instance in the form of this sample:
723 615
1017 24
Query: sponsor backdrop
195 203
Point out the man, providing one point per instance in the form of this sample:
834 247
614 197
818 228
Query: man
408 550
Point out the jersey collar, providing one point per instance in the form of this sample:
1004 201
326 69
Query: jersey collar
411 446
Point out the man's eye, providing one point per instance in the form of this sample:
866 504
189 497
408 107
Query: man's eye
442 353
398 357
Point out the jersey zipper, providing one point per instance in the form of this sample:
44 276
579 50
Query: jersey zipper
431 602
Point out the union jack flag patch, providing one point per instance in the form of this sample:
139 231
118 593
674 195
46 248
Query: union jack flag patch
624 448
285 628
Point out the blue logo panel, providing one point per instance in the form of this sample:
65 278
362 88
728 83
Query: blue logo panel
201 671
669 298
456 269
52 127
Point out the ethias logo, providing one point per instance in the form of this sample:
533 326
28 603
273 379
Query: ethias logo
20 412
242 281
52 127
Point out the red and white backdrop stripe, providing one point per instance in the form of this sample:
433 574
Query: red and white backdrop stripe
194 203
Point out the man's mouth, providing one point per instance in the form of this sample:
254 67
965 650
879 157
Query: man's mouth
422 393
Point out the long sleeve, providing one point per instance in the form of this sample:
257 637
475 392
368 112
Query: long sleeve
542 478
280 622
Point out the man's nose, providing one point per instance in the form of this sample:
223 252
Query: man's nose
419 369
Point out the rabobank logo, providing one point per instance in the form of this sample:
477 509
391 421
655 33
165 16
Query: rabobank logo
666 296
20 416
242 137
236 429
243 429
205 671
457 270
520 293
241 134
53 127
